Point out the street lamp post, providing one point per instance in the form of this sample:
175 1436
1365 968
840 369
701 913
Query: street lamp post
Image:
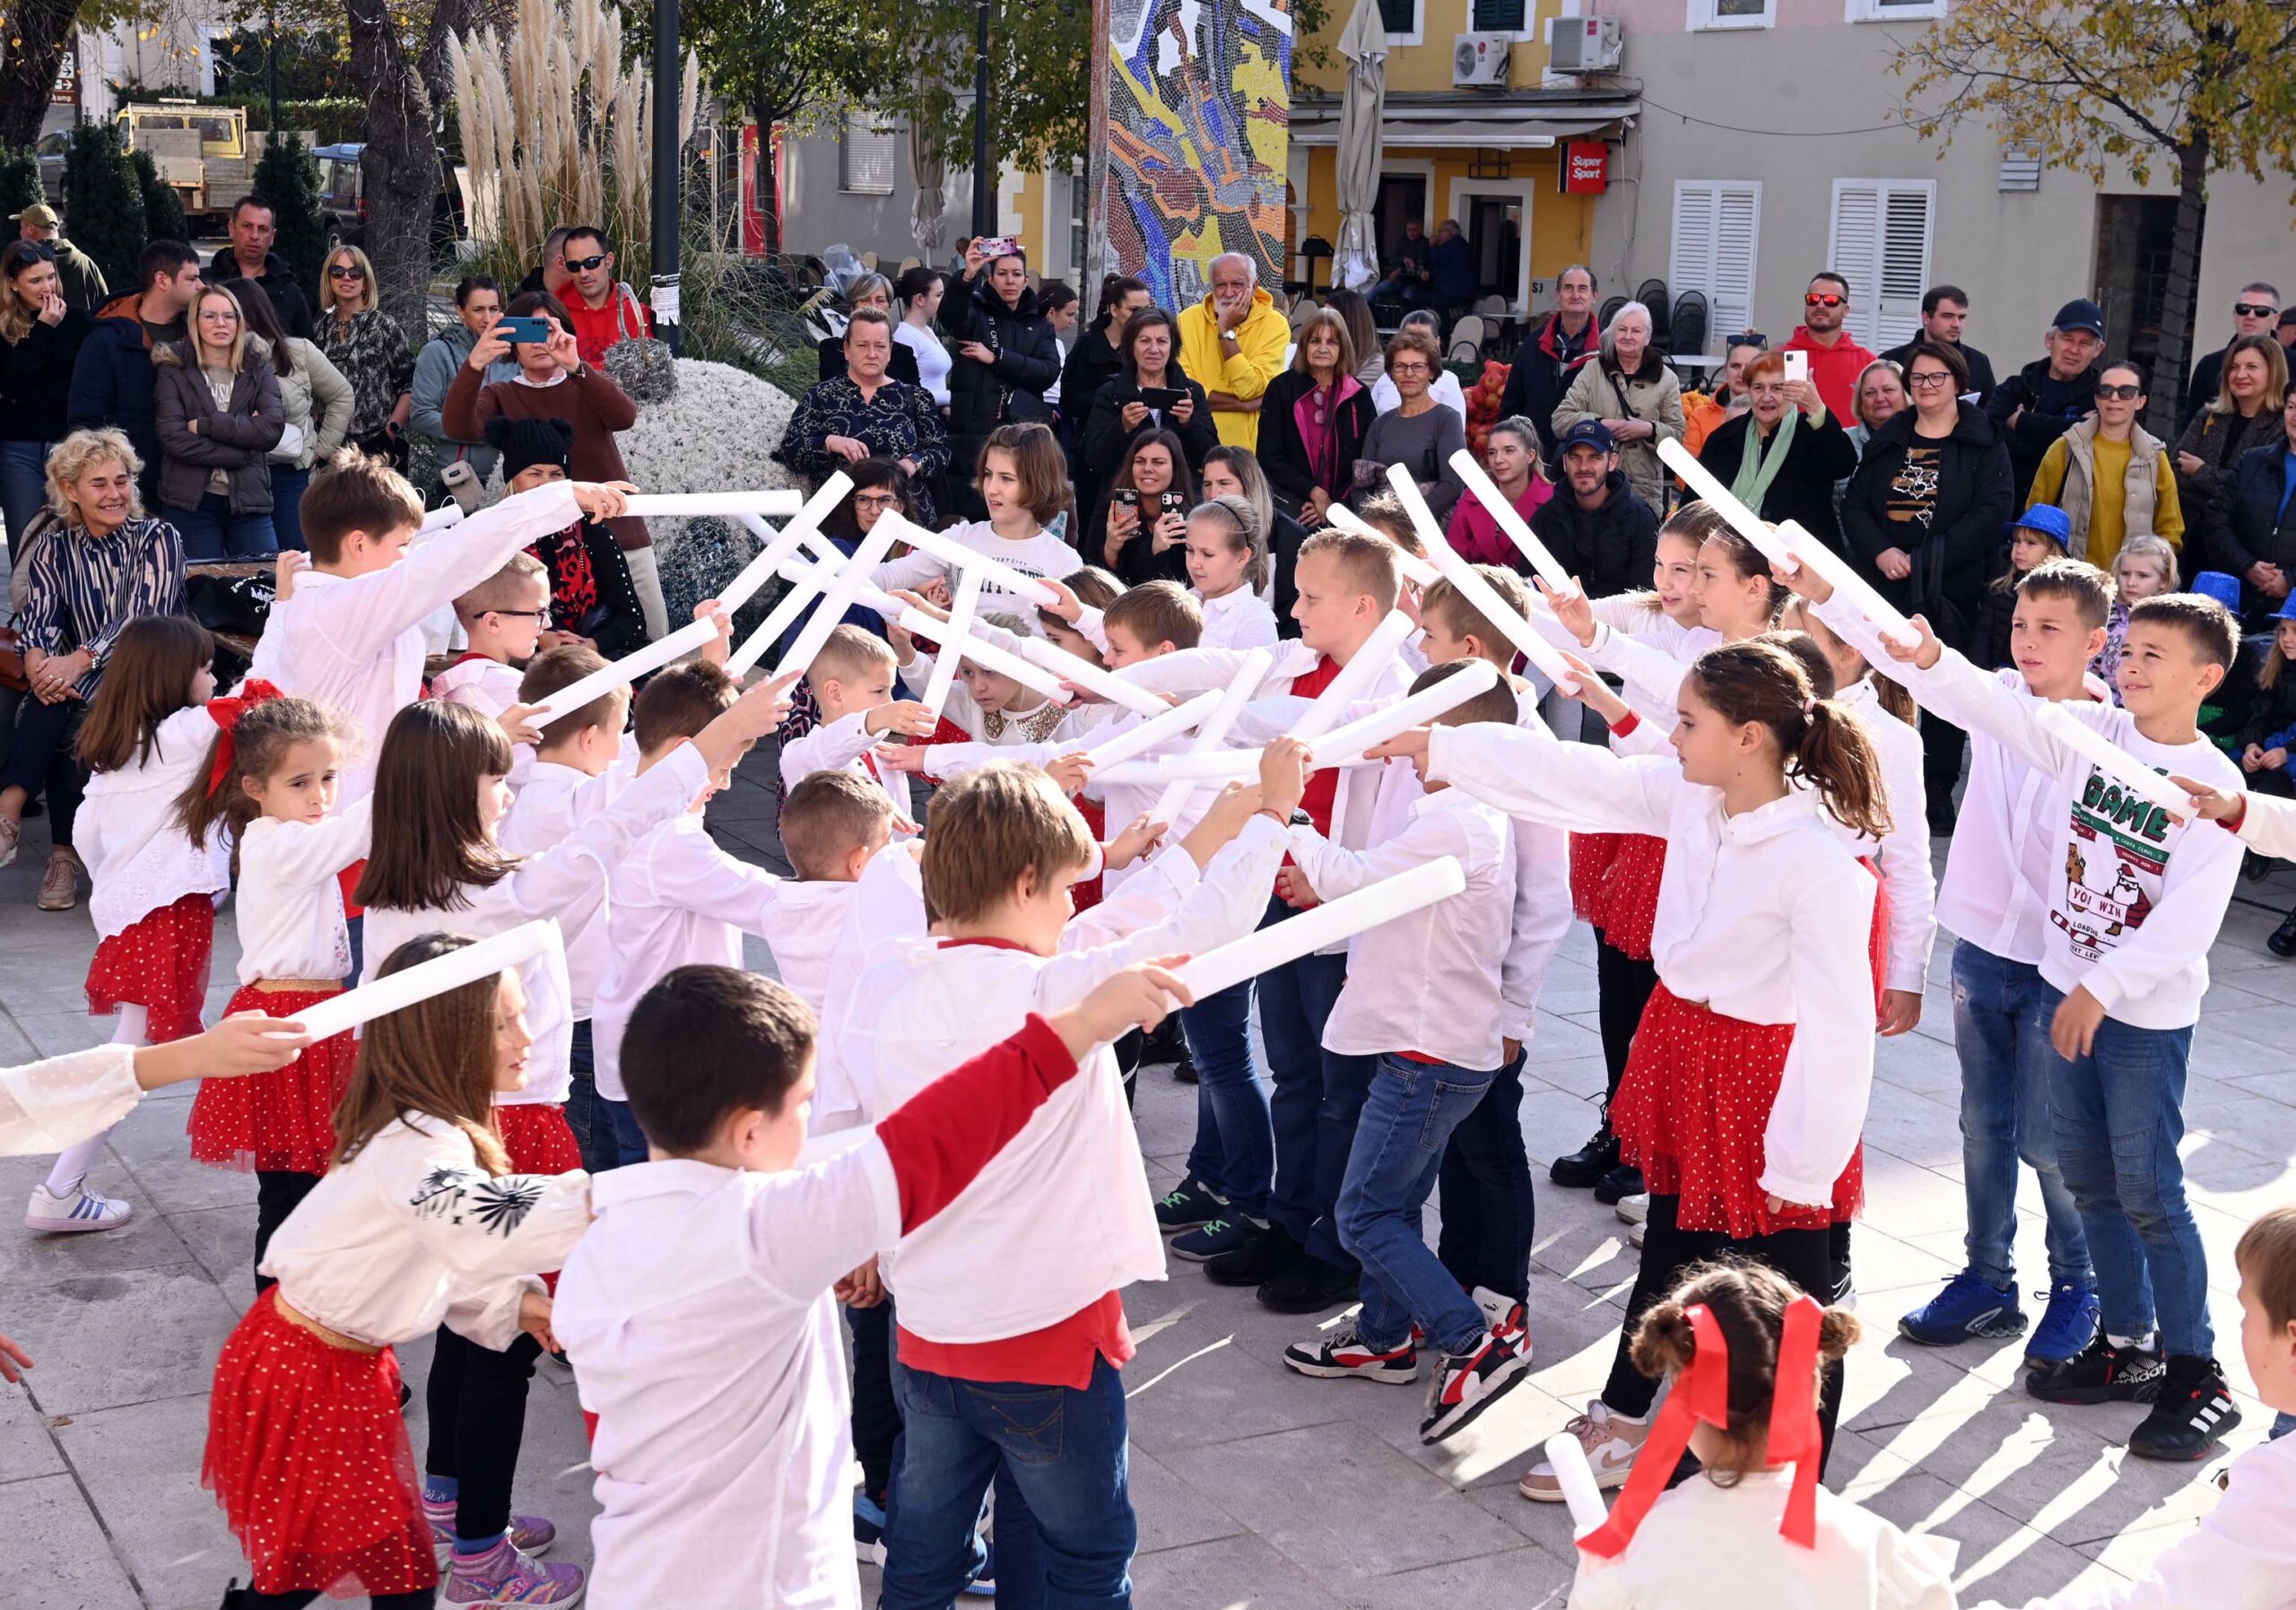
984 184
667 81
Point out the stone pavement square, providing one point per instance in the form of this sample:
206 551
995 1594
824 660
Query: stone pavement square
1255 1488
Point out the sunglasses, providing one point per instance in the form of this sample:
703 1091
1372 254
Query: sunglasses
584 264
1824 298
2120 394
2254 310
345 271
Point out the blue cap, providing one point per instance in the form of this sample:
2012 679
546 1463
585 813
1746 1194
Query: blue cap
2050 520
1588 433
2215 584
2081 314
2287 610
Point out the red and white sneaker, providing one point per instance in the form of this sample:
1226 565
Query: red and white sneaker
1343 1356
1468 1383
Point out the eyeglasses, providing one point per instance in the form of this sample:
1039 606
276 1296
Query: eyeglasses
345 271
1929 379
2254 310
584 264
531 614
2119 394
1404 371
1823 298
878 501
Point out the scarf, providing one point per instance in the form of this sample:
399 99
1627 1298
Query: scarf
1756 472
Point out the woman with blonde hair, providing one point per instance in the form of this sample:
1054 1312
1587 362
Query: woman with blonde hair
2244 414
370 349
217 402
39 340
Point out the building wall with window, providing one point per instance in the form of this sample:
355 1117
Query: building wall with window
1767 148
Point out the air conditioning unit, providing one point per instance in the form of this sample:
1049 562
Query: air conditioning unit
1478 60
1585 44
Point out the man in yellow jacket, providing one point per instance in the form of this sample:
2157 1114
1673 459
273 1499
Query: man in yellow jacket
1233 344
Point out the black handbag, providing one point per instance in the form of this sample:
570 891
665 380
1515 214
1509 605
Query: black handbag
1930 601
235 599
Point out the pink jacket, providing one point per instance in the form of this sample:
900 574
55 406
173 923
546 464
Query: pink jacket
1476 533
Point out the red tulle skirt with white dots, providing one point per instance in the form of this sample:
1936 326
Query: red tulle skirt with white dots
1087 894
538 1140
308 1457
1629 904
282 1122
1590 863
159 962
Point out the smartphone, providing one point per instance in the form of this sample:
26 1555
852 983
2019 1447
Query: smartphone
998 246
1798 365
1170 502
1162 397
1125 497
523 328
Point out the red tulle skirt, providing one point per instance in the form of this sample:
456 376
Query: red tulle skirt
308 1457
1628 905
1590 863
1087 894
282 1122
159 962
539 1141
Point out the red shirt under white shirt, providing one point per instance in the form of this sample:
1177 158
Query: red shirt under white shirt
845 745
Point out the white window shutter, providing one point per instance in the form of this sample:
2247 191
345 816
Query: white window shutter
1881 234
1717 226
865 158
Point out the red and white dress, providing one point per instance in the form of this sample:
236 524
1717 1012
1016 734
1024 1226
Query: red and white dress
155 890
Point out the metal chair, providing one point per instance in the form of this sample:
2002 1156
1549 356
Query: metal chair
1689 323
1609 312
1652 294
1492 303
1467 340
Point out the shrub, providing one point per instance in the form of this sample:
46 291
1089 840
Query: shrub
288 178
18 182
163 218
103 203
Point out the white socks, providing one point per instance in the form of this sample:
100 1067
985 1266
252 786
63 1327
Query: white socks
72 1164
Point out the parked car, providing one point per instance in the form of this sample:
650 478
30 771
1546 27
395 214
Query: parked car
51 149
342 201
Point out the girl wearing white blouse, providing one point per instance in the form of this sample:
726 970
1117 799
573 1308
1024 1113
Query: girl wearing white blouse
1746 1088
270 783
420 1219
1228 570
155 890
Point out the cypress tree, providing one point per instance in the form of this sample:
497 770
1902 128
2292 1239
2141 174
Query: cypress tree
103 204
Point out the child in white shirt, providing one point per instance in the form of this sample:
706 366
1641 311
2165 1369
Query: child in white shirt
990 706
1228 567
503 618
852 683
1023 482
698 1311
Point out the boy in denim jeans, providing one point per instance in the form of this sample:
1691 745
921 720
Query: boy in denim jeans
1422 996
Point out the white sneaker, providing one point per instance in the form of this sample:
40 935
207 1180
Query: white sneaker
1634 1233
1611 1441
82 1210
1635 1209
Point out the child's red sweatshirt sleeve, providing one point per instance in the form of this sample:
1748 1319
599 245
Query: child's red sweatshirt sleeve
946 1134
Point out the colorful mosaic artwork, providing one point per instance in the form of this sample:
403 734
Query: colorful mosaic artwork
1199 114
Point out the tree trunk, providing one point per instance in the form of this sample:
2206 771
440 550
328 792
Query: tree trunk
2172 367
768 188
38 32
400 167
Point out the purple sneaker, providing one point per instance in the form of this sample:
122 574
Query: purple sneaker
529 1534
503 1578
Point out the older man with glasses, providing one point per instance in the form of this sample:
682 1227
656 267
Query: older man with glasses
2256 311
1836 358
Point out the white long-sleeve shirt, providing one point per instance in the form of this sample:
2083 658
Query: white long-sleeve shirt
2136 898
1046 722
1763 917
1902 854
678 901
490 687
1042 555
567 882
886 907
355 644
139 860
49 1105
291 902
1427 982
1239 620
557 799
845 745
412 1231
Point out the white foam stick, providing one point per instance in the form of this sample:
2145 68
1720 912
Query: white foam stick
987 656
1725 502
1173 802
1478 592
1355 678
688 505
836 599
961 613
1474 677
2115 761
514 948
950 551
1576 1477
1090 677
1323 925
806 523
1415 569
439 518
1517 530
624 670
806 585
1855 589
1157 730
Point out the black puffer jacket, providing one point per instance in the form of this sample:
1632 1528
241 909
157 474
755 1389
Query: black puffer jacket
1958 552
1100 451
1611 549
2246 522
1009 390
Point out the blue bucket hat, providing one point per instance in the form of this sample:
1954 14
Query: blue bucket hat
2050 520
2287 610
2215 584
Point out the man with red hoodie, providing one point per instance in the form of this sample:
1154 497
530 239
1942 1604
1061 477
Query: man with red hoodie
1836 359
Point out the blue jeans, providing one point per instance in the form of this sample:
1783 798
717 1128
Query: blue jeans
615 1135
211 531
23 486
1405 1123
287 484
1318 1094
1234 1154
2001 1034
1489 1213
592 1131
2120 1116
1065 1532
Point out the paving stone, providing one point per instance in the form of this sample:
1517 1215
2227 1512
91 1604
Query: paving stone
56 1557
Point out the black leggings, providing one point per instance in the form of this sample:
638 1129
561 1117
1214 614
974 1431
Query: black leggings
1622 984
40 760
277 1194
1805 1257
876 1412
248 1598
476 1398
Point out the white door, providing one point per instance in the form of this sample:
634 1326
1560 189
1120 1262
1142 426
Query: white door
1717 227
1880 240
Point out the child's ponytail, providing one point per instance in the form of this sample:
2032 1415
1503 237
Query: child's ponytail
1837 758
1766 682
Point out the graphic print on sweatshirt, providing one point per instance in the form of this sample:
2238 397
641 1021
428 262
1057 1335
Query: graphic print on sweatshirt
2114 865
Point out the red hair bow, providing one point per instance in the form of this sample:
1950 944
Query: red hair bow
226 713
1702 1392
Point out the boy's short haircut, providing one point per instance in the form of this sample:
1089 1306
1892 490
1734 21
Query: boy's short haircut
2266 1256
1449 608
505 587
849 651
1157 611
2083 585
828 816
1494 703
1365 563
556 669
1383 511
989 827
680 701
2207 624
706 1043
353 492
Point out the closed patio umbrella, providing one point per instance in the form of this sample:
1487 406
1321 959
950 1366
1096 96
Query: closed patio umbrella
1362 106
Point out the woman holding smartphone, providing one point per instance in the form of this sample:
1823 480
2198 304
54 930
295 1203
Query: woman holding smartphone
1140 529
1149 392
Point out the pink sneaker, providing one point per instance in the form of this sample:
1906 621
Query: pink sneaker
503 1578
529 1534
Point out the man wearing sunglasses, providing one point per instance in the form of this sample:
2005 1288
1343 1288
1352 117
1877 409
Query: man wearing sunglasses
2256 311
603 309
1836 359
2042 401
